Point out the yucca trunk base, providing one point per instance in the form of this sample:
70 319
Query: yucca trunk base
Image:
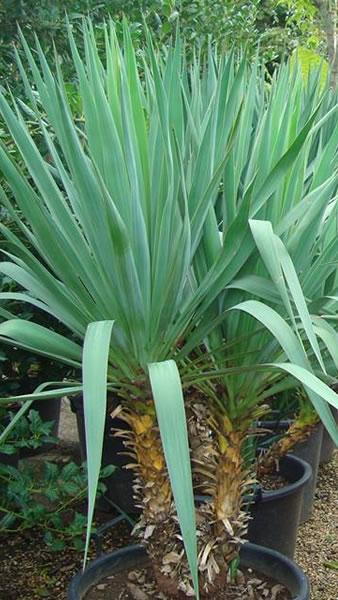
158 528
221 523
219 472
169 587
298 432
166 552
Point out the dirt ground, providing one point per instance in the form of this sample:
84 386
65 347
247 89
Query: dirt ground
317 546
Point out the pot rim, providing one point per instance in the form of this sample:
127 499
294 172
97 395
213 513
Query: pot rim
262 495
269 495
282 423
100 568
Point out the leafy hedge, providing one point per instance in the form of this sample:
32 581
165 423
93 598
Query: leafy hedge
277 26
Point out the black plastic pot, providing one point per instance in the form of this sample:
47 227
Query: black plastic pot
11 460
120 483
49 410
267 562
328 445
276 513
308 451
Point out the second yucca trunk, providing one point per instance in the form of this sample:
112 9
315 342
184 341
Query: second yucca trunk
299 431
220 473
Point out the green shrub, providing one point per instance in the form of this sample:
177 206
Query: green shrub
29 432
276 26
48 500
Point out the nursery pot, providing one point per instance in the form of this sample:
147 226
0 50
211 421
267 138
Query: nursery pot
276 513
328 445
10 460
265 561
309 450
120 483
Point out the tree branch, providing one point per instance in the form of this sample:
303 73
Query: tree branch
328 11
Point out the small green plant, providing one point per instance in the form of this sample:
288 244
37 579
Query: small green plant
48 500
29 432
47 497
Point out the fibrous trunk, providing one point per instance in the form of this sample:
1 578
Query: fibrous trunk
216 450
158 526
219 472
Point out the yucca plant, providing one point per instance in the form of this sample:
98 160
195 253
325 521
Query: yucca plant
141 229
303 211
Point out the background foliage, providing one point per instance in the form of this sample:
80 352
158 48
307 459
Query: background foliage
277 26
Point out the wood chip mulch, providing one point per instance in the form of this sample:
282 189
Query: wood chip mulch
141 585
